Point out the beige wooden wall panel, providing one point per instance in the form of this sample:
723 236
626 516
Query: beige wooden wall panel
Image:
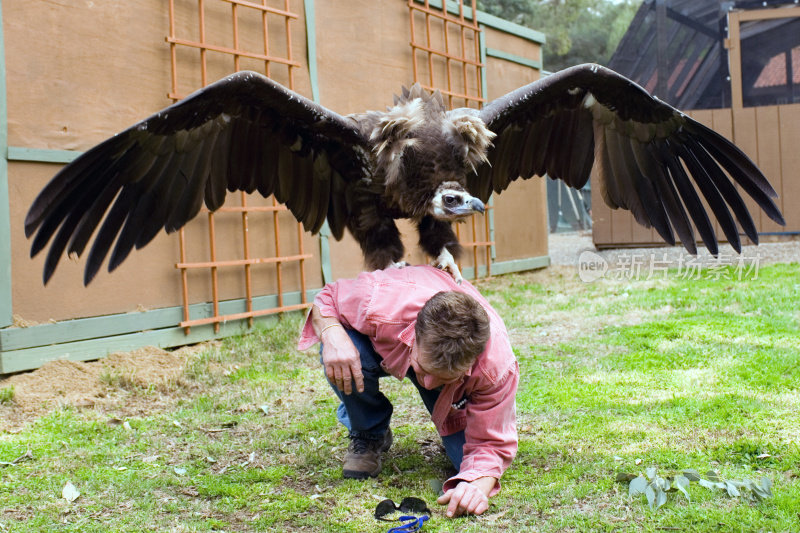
78 72
743 131
789 187
144 281
769 135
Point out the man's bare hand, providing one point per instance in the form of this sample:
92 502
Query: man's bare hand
340 357
341 360
467 498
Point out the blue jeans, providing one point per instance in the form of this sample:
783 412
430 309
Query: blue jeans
366 415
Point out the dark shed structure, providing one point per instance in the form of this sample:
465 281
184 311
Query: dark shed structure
677 50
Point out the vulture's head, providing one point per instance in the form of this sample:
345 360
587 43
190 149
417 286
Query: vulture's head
424 154
451 201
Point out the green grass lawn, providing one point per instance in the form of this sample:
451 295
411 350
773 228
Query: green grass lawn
617 376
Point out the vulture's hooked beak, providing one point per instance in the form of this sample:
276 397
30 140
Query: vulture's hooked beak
468 206
477 206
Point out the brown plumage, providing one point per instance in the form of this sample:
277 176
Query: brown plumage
416 160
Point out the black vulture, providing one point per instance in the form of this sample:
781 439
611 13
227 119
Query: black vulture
416 160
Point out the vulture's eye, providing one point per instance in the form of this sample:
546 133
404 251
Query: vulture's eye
450 200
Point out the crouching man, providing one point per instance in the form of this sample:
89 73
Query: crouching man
417 323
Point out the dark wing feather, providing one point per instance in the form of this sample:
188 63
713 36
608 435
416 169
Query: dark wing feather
244 132
648 157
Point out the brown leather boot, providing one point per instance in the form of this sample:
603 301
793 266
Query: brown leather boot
363 458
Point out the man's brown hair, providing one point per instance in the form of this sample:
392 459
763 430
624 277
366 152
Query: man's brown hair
453 329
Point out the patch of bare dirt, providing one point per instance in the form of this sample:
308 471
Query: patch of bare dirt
85 384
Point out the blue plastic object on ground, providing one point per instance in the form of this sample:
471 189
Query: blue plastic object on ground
412 523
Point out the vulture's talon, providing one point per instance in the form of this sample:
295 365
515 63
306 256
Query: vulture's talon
446 262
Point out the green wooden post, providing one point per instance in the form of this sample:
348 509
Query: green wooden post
6 312
311 47
485 93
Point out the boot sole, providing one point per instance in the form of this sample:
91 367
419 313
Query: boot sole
355 474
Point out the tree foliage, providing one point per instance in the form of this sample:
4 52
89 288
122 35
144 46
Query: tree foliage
577 31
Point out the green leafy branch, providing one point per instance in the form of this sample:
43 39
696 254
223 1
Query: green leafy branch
656 488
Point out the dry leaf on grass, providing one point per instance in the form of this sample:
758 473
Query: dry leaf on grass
70 492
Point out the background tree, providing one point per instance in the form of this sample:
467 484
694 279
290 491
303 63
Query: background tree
578 31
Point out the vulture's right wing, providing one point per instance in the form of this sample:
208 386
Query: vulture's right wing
648 157
244 132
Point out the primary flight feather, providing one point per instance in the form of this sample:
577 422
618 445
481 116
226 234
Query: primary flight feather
415 160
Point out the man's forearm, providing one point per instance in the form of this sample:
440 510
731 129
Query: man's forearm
321 323
339 356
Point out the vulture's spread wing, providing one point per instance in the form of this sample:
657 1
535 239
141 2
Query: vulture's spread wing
648 157
244 132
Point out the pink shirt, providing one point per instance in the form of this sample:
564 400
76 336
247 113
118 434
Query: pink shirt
384 305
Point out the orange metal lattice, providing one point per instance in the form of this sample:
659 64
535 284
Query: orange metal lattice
266 13
462 89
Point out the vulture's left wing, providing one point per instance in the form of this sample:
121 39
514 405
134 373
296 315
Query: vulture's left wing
648 157
242 133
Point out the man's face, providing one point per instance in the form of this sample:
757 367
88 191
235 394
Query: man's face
430 379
